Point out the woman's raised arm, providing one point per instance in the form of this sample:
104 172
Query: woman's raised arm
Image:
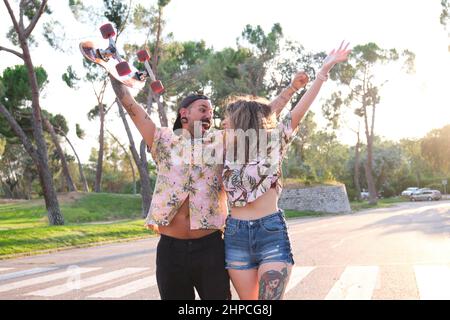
305 102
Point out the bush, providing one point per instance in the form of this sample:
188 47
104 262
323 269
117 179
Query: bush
351 193
388 191
436 186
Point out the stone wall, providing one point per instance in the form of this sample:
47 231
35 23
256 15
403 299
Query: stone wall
330 199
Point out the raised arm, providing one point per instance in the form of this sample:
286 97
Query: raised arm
300 80
305 102
136 112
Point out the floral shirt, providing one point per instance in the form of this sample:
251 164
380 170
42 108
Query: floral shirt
182 172
244 183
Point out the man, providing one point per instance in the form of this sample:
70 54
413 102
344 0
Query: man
188 206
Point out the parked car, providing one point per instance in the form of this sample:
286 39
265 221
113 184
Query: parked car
426 194
409 191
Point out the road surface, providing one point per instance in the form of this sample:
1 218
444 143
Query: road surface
402 252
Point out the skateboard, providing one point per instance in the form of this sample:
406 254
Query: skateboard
110 59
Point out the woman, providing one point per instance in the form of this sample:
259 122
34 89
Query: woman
257 248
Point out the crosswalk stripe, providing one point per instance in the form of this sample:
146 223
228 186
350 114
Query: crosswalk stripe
33 281
297 275
5 269
355 283
433 282
126 289
23 273
64 288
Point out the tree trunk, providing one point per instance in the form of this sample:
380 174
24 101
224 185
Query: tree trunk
27 185
162 112
127 156
51 201
20 133
154 64
99 171
373 197
356 170
141 164
38 154
80 167
62 157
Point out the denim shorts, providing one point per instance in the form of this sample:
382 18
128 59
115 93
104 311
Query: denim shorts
250 243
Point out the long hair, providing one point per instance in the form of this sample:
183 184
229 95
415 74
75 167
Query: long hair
250 114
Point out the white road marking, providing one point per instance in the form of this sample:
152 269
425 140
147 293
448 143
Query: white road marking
43 279
297 275
18 274
355 283
127 289
5 269
64 288
433 282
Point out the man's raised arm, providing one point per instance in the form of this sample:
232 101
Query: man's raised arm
136 112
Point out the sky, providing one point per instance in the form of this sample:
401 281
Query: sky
411 105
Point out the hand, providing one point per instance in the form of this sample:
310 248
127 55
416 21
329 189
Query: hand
300 80
152 227
336 56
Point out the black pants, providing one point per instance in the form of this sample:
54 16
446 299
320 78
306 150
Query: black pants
182 265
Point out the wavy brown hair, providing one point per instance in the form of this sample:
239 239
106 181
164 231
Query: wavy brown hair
250 113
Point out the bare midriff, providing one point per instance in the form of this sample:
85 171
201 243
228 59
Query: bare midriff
261 207
180 226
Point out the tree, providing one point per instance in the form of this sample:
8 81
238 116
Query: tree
435 148
153 21
61 128
33 10
127 157
358 75
118 13
17 94
445 15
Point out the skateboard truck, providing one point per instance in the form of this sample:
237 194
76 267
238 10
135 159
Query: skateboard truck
108 32
155 85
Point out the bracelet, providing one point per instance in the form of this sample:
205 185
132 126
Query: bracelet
293 88
321 76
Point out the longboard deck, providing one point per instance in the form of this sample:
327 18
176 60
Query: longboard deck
88 50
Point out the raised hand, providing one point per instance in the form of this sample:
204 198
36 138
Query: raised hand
300 80
336 56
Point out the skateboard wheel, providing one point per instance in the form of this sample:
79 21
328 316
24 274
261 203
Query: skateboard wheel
107 31
143 55
157 87
123 69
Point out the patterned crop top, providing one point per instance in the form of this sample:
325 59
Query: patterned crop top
244 183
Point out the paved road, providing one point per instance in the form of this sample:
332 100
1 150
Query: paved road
401 252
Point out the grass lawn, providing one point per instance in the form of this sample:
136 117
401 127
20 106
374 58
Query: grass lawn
89 218
382 203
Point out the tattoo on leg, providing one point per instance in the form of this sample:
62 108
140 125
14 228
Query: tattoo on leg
271 284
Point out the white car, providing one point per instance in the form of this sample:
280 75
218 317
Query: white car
408 192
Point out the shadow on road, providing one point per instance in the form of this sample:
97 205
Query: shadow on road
429 218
